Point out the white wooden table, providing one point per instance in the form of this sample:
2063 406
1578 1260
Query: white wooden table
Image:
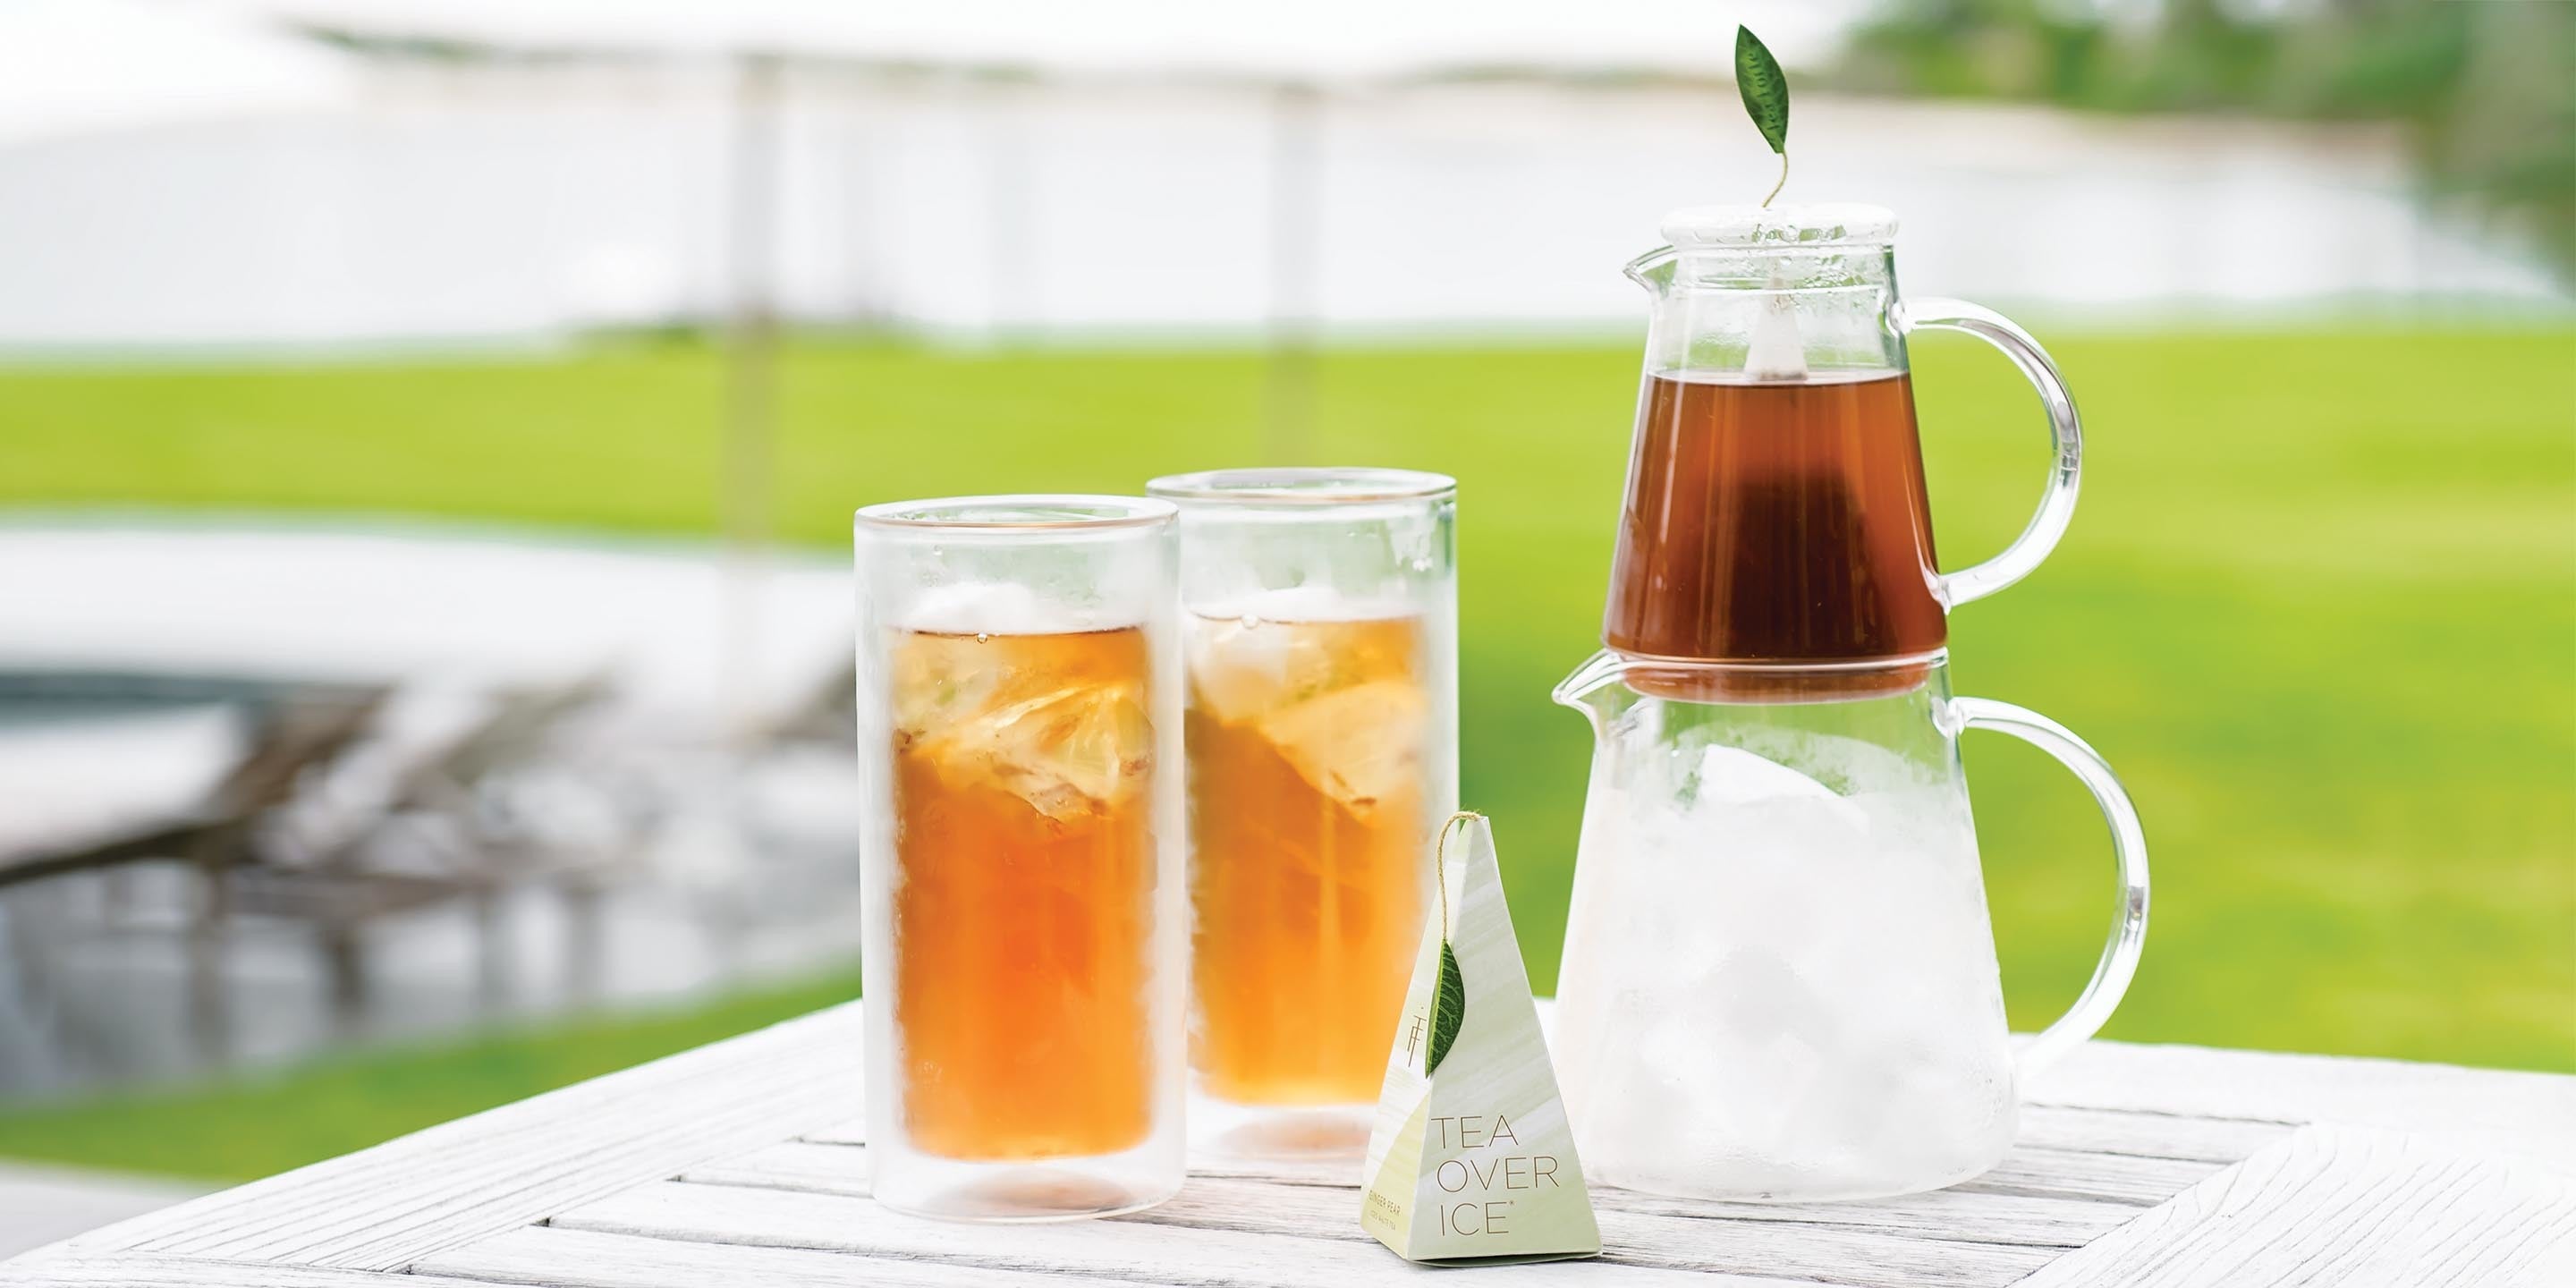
742 1163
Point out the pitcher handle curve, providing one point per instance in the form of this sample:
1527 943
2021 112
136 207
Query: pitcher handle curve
2119 961
2066 432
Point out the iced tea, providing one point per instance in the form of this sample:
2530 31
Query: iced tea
1022 897
1309 806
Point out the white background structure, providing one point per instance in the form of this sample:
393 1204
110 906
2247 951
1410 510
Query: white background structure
1002 166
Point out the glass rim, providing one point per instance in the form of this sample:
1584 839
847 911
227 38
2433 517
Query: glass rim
1020 512
1304 485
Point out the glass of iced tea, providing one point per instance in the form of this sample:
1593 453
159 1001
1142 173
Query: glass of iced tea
1319 619
1019 740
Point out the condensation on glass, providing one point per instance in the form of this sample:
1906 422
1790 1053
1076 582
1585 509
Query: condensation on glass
1019 744
1319 614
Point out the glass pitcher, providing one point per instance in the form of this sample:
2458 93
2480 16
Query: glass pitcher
1779 980
1775 503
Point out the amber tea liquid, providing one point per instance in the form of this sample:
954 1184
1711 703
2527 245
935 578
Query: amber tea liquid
1308 870
1776 521
1025 858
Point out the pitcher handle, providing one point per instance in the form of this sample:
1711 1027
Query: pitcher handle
2128 849
2057 503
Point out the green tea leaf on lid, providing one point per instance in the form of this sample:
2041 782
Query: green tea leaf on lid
1765 90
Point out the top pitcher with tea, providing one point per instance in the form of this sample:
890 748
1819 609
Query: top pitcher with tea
1779 980
1775 506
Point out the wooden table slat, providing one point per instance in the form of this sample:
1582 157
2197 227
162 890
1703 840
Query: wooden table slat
2102 1178
65 1269
1227 1202
588 1259
2146 1134
1117 1248
2140 1132
559 1258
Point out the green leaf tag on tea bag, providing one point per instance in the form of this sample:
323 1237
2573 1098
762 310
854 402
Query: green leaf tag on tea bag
1765 92
1470 1160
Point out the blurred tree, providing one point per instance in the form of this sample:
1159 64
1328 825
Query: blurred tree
2488 91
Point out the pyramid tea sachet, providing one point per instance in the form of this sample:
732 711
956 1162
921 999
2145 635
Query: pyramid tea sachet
1470 1159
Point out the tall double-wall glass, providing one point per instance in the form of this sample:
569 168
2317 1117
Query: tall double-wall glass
1019 738
1319 619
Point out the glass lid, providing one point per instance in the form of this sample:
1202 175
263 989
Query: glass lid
1839 223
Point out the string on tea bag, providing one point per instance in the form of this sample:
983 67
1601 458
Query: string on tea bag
1777 352
1440 864
1449 998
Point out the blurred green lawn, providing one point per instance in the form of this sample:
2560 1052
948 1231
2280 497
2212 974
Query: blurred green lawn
2319 607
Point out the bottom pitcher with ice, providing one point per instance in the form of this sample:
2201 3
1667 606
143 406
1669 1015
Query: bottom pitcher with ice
1779 980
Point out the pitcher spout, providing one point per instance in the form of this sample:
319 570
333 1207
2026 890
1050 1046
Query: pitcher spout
1654 269
1592 687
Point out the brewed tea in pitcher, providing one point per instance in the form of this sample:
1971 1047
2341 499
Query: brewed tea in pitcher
1775 519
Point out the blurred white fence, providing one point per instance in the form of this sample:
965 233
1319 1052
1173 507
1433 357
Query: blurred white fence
522 199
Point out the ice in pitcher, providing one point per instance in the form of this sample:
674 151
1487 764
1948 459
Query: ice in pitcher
1022 903
1306 720
1808 1001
